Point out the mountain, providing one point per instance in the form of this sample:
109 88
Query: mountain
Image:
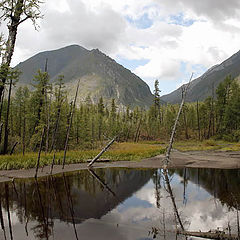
202 87
99 75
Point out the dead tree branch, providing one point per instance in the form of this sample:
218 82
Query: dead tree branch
167 157
103 151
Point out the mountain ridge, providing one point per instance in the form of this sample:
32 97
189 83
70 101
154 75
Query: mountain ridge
100 75
203 86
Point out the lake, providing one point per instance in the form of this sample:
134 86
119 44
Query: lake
120 204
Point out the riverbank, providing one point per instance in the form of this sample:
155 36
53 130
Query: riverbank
191 159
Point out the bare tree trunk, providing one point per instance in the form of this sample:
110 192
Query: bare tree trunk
53 162
69 126
55 128
1 107
1 129
48 108
198 122
59 101
103 151
12 150
39 152
167 158
138 130
12 34
24 133
6 131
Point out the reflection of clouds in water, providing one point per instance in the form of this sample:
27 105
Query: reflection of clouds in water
13 215
134 217
202 211
207 214
91 229
147 193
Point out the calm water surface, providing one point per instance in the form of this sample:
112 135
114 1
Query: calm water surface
119 204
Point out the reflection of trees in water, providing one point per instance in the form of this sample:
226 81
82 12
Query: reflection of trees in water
71 198
43 228
169 218
221 183
157 184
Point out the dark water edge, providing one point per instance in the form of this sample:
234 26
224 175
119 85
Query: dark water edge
118 204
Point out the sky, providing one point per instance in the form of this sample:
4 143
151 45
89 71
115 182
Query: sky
156 39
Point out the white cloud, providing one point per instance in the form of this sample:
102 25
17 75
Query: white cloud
211 38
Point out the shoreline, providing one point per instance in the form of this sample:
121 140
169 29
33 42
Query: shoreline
190 159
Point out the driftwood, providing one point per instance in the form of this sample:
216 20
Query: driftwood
209 235
101 153
167 157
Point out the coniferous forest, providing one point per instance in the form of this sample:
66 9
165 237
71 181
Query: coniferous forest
46 114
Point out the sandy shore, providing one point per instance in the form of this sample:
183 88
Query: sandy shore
193 159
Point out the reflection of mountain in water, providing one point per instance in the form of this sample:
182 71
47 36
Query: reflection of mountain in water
87 198
222 184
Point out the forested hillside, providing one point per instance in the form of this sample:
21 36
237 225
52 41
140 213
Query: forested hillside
90 125
204 86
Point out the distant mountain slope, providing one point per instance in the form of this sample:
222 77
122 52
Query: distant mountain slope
202 87
100 75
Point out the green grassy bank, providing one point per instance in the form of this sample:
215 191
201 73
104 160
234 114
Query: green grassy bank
117 152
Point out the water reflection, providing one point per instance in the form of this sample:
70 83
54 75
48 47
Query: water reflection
67 198
222 184
119 204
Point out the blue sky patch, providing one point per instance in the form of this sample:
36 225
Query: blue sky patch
167 86
141 23
180 20
131 64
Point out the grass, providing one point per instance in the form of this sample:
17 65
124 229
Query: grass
206 145
231 147
117 152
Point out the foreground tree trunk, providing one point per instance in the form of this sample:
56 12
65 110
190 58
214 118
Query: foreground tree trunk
15 13
6 130
167 158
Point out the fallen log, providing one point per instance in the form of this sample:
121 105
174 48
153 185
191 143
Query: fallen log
220 235
101 153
